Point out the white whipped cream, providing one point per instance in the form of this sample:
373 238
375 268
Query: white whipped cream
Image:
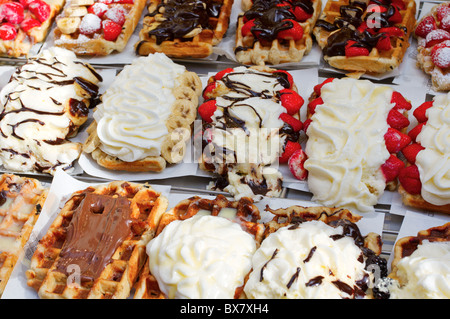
346 146
289 259
131 120
434 161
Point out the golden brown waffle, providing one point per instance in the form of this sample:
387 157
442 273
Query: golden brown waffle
378 61
74 32
172 27
25 39
123 215
417 201
21 200
245 213
258 51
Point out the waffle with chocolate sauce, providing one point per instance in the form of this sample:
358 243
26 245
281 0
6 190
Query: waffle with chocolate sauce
97 28
243 212
95 247
21 200
184 29
273 32
365 37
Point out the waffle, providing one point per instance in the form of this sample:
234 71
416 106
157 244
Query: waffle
244 213
21 200
66 265
367 53
270 46
184 29
33 27
176 116
89 31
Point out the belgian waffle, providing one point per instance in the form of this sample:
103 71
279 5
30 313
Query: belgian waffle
125 215
243 212
183 29
21 200
344 21
31 25
263 43
87 30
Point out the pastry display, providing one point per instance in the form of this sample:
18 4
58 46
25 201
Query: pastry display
425 181
202 249
184 29
365 36
144 119
273 32
95 247
97 28
21 201
25 23
355 130
314 252
433 32
251 123
43 105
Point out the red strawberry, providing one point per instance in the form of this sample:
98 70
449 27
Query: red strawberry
352 51
287 76
247 27
415 131
410 152
441 56
106 1
40 9
295 33
313 104
296 124
409 177
111 30
436 36
291 101
400 102
420 112
396 17
300 14
289 149
25 3
395 140
397 120
12 12
98 9
392 167
442 12
116 14
384 44
208 89
207 109
8 32
124 1
425 26
296 165
318 87
29 23
90 24
445 23
219 75
399 4
306 124
392 31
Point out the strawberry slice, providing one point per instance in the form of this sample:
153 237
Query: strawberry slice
207 109
306 124
116 14
396 17
25 3
384 43
219 75
399 4
410 152
295 33
420 112
289 149
296 124
296 165
397 120
442 12
40 9
29 23
445 23
313 104
425 26
409 177
395 140
351 50
13 12
246 29
391 168
400 102
415 131
441 56
8 32
208 89
98 9
318 87
436 36
291 101
301 14
111 30
392 31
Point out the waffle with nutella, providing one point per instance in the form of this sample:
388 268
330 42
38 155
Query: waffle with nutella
217 237
365 36
143 122
250 124
313 253
183 29
433 45
95 247
353 168
273 32
21 200
42 107
425 181
97 28
25 23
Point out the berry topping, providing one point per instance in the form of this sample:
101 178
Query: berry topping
116 14
395 140
285 79
219 75
90 24
400 102
445 23
208 89
306 124
409 177
415 131
294 33
318 87
391 168
436 36
427 25
384 43
289 149
296 165
410 152
420 112
7 32
111 30
396 17
442 12
98 9
40 9
29 23
440 55
352 49
300 14
12 12
313 104
207 109
397 120
246 29
392 31
291 101
296 124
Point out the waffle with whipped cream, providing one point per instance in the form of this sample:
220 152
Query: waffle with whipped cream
71 262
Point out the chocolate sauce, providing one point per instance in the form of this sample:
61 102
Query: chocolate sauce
3 197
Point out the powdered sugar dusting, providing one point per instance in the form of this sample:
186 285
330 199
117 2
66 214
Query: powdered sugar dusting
90 24
116 14
442 57
438 34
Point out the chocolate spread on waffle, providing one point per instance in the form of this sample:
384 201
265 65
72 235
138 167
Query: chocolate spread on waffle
99 225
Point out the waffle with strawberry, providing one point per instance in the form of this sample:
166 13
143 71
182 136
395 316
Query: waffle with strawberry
425 181
97 27
365 36
24 23
250 121
433 45
273 32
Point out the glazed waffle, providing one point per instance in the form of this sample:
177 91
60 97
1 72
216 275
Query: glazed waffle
21 200
243 212
184 29
124 215
33 27
336 27
257 50
87 30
